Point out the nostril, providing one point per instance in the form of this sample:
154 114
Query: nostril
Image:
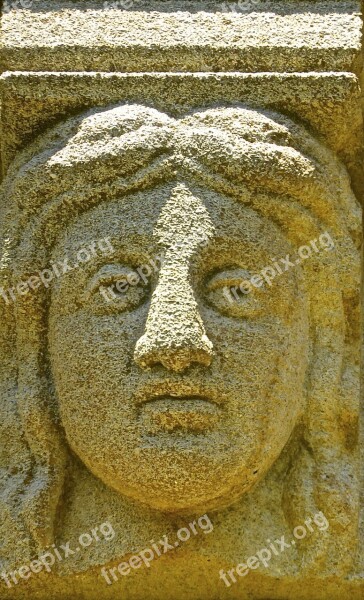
181 359
143 355
148 354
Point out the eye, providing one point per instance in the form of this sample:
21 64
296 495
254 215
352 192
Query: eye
235 292
116 288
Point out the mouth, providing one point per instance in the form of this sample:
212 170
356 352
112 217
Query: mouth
178 412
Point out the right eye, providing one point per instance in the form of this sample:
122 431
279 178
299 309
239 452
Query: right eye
231 293
115 289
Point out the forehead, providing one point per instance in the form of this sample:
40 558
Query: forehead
140 217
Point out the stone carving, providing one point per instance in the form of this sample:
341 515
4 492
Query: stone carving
172 395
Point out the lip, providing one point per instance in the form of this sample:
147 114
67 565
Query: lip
179 391
179 407
171 414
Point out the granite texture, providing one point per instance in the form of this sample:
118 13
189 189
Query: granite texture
180 301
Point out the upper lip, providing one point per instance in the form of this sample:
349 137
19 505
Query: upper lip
178 390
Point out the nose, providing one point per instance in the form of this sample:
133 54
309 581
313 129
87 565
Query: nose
174 333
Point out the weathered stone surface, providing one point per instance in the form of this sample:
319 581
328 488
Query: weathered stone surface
30 98
289 35
187 341
180 272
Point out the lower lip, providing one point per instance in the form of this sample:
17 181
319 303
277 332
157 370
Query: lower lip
188 414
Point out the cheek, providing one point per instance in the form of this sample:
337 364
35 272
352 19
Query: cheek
244 347
92 364
93 343
254 364
91 369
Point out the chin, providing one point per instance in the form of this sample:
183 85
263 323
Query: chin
186 491
209 500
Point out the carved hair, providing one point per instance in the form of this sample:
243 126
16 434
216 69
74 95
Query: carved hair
262 158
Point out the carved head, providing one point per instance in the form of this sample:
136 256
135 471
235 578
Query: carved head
173 393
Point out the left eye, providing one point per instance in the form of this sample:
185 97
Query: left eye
116 288
232 293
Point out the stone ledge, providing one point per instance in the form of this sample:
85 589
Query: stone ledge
193 36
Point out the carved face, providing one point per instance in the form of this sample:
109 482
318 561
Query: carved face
174 392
